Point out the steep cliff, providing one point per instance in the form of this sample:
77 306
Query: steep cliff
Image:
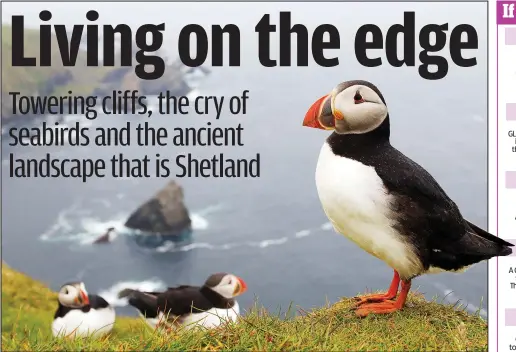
80 79
28 307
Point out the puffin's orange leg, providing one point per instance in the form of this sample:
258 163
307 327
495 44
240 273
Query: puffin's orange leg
390 294
387 306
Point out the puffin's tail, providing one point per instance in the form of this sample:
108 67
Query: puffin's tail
489 244
126 292
145 302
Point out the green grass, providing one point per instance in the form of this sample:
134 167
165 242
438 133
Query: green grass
28 307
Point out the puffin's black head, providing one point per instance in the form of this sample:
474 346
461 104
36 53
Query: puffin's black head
73 295
226 285
353 107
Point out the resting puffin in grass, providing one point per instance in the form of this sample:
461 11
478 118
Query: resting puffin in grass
188 306
79 314
386 203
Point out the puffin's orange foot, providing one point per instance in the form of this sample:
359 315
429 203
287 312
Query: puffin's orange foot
380 297
384 307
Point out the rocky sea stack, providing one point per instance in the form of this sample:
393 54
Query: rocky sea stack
162 218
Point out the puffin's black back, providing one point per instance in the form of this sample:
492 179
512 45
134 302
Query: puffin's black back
191 299
424 213
176 301
96 302
145 302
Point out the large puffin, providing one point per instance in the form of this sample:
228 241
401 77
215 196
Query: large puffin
79 314
189 306
386 203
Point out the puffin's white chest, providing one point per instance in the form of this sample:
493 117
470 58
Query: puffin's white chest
153 322
209 319
76 323
355 201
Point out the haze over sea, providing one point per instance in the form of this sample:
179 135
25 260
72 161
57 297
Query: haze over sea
271 230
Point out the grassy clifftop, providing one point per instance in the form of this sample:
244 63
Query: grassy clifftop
28 307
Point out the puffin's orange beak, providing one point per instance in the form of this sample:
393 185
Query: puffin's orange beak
319 115
83 298
241 287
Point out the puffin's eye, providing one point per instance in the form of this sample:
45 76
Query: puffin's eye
358 98
230 281
66 291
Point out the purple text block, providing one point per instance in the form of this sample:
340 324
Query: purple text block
510 317
505 12
510 36
510 111
513 248
510 179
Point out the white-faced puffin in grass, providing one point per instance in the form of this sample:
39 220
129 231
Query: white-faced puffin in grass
385 202
79 314
188 306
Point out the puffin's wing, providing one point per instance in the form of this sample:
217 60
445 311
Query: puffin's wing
482 233
478 232
60 311
145 302
428 212
97 301
181 287
182 300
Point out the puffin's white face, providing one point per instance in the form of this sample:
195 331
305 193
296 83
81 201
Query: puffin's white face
230 286
73 295
349 109
357 109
